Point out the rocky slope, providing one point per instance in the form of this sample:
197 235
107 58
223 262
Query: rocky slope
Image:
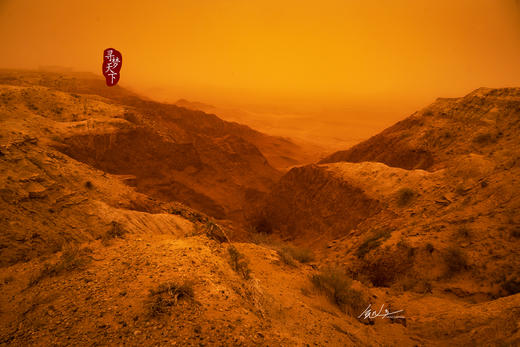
87 257
430 204
482 122
166 151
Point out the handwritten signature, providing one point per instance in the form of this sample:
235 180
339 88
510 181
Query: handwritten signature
369 313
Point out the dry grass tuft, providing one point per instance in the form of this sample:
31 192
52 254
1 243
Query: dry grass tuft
463 232
404 196
116 231
72 259
372 242
291 255
456 261
167 295
239 263
336 285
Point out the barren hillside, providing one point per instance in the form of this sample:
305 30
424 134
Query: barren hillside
99 247
166 151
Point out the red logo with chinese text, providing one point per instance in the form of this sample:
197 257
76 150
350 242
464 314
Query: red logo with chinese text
112 61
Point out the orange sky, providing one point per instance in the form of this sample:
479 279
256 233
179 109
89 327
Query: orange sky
391 56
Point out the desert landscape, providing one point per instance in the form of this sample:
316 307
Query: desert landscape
123 223
260 173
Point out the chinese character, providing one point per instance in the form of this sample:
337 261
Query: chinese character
112 61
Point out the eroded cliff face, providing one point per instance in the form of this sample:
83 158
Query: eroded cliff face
310 204
168 152
428 205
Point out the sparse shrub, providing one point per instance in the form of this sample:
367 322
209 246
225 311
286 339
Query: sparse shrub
57 110
455 260
286 258
291 254
511 286
116 231
169 294
404 196
384 270
460 190
261 239
463 232
336 285
130 117
484 138
239 263
215 232
515 233
371 242
259 222
72 258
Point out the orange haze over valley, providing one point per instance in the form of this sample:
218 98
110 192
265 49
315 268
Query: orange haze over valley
338 72
264 173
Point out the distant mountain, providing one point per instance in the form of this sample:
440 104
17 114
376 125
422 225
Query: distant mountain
194 105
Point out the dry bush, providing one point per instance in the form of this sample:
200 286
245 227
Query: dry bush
289 255
336 285
286 258
239 263
89 185
167 295
511 286
429 248
484 139
262 239
116 231
372 242
456 261
259 221
463 232
460 190
215 232
515 233
72 259
130 117
404 196
385 268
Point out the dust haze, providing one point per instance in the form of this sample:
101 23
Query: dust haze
360 65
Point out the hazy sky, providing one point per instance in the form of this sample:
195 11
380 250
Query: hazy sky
315 55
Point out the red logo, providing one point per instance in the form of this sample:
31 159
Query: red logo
112 61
